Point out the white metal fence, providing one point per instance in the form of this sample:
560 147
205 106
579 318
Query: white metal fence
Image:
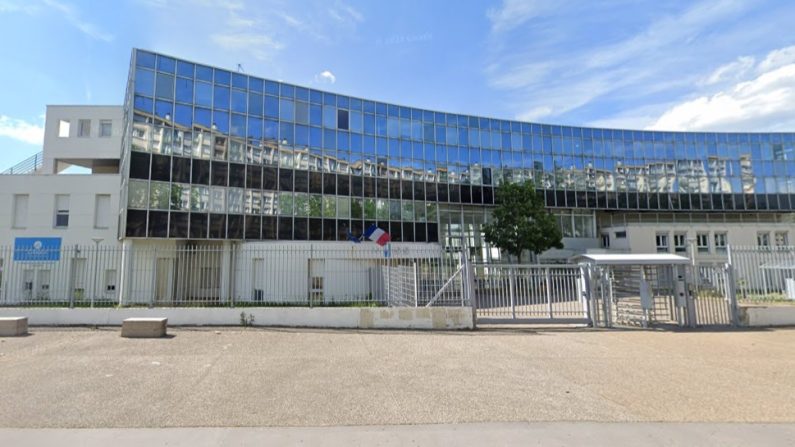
530 293
230 275
763 273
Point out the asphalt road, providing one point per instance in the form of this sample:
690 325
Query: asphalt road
234 377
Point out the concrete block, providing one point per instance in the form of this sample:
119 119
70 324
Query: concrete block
144 327
13 326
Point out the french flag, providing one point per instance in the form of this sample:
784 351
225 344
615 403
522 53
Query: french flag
377 235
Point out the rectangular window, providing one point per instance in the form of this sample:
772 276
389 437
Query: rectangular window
680 242
621 234
20 210
102 211
702 242
84 128
105 128
662 243
63 128
721 240
781 239
763 239
61 210
342 119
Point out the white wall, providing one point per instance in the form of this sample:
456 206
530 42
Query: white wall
328 317
92 147
82 191
641 236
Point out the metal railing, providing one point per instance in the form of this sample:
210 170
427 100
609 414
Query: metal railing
26 166
763 274
229 275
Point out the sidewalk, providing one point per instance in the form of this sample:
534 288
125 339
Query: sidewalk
464 435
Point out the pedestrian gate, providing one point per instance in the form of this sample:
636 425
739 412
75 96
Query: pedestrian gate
657 290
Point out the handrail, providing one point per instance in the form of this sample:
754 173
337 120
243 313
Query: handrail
26 166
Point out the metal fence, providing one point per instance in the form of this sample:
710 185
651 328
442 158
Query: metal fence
763 274
231 275
533 293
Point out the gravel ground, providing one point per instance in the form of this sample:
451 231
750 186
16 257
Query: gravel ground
235 377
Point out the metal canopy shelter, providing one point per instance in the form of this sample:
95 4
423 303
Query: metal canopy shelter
638 288
631 259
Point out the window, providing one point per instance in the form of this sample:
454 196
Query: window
721 240
763 239
606 240
63 128
342 119
781 239
105 128
61 210
621 234
84 128
662 243
20 210
102 211
702 242
680 242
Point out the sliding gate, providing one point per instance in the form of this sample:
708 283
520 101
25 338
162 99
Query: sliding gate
533 294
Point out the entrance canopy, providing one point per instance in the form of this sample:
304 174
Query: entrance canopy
631 259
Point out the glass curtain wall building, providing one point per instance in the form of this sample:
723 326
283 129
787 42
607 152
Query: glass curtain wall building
215 154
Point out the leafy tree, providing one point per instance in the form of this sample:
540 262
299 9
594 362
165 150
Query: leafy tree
520 221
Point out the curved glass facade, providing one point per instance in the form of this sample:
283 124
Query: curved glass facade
214 154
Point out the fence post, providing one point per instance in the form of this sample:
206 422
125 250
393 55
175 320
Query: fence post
416 283
732 292
71 287
547 281
154 278
511 293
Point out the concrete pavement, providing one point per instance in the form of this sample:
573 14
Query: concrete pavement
463 435
234 377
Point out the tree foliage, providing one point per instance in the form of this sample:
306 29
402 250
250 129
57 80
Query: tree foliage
520 221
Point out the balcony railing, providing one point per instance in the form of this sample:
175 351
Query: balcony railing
26 166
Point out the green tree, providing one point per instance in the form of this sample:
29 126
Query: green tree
520 221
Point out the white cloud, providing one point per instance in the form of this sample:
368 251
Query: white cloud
679 29
731 71
344 13
325 77
766 102
21 130
777 58
17 6
513 13
260 45
556 74
72 16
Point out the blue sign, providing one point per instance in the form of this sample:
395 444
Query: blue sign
37 249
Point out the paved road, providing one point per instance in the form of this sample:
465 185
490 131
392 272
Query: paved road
72 378
464 435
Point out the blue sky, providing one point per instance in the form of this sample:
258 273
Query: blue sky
676 65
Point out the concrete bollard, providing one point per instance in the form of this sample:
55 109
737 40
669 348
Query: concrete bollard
13 326
144 327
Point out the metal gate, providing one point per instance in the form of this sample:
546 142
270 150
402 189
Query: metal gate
529 294
660 295
714 295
